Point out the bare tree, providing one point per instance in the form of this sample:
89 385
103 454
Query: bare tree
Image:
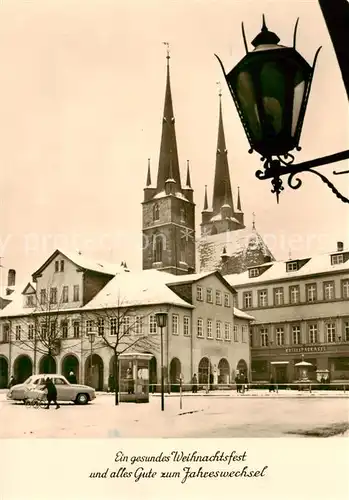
45 328
124 332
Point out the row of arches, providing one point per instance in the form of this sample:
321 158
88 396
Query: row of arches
94 369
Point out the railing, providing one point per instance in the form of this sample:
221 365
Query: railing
310 386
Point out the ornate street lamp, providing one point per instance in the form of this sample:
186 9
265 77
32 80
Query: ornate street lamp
161 321
270 87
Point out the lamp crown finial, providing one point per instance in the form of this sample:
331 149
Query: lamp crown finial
265 37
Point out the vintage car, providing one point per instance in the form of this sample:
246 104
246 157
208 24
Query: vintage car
77 393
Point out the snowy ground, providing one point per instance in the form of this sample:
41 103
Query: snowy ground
255 414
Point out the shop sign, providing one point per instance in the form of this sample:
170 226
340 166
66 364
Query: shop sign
292 350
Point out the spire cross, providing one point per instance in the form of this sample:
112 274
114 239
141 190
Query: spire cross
253 220
219 89
167 50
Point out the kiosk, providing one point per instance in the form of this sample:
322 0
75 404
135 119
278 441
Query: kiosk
134 377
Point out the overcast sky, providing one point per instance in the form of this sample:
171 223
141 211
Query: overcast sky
82 90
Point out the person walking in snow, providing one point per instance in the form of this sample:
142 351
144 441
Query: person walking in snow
51 393
194 387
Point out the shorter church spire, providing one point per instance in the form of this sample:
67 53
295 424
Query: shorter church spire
148 174
239 200
188 184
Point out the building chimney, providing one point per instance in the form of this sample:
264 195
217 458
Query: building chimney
340 246
11 278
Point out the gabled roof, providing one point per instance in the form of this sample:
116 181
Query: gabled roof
318 264
134 289
241 244
16 305
192 278
83 263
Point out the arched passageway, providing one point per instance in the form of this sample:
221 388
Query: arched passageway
205 372
94 372
223 372
3 372
70 363
22 368
175 371
242 367
47 364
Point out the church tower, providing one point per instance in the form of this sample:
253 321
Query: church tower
168 208
222 216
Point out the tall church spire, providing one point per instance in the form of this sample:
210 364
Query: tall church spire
239 200
168 147
148 174
222 188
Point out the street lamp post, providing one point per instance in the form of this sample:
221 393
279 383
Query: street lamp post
161 321
91 337
270 87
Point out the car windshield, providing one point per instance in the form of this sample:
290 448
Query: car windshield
29 380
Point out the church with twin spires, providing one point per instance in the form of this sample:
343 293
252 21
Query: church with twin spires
169 229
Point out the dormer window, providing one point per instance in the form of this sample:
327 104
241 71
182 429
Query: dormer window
337 259
292 266
253 273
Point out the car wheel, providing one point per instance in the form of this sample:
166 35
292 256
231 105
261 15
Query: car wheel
82 399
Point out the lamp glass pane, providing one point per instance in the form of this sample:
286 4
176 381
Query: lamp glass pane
246 96
298 95
273 97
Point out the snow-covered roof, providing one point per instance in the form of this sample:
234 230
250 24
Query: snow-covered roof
241 244
243 315
132 289
219 217
16 306
177 194
186 278
317 264
83 262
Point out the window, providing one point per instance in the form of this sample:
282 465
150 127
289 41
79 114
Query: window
345 289
156 212
209 329
331 332
89 326
262 298
291 266
183 215
311 291
235 300
138 325
53 330
53 295
76 329
218 298
126 324
18 332
209 296
280 336
59 381
294 294
329 290
296 334
278 296
253 273
244 332
247 298
62 266
236 333
227 300
186 326
313 334
218 330
65 293
76 293
30 332
157 247
42 297
346 331
64 329
43 331
199 295
56 266
264 337
30 300
100 327
113 326
6 333
152 324
175 324
337 259
227 328
200 327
